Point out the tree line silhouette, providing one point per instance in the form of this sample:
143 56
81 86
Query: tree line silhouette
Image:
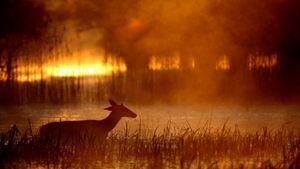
30 30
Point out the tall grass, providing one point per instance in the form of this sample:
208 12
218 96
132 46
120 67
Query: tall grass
171 147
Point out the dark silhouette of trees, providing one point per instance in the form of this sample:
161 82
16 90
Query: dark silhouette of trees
22 21
136 30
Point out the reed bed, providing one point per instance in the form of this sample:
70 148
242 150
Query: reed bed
170 147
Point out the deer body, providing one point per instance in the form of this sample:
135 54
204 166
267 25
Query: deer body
73 132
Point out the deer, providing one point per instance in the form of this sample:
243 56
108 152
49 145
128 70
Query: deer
76 132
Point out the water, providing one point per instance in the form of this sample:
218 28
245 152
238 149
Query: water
140 153
250 118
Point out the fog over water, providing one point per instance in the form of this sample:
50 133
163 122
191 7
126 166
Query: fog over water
154 54
252 118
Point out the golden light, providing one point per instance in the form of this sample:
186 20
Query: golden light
2 75
223 63
258 61
164 63
85 67
71 67
96 69
134 24
193 63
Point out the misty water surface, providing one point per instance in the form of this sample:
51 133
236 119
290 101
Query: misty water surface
156 117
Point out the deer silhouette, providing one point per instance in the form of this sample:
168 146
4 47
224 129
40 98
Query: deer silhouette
74 132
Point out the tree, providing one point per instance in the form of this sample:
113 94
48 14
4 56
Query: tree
22 21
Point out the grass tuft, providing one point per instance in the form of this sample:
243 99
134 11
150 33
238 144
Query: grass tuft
171 147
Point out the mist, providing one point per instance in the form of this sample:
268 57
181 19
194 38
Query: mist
149 84
202 31
184 51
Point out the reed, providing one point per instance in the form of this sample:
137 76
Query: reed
169 147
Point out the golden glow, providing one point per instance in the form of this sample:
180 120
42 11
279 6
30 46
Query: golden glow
262 61
193 63
70 67
92 69
29 77
223 63
164 63
134 24
2 75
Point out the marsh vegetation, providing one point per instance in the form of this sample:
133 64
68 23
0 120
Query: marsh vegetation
167 147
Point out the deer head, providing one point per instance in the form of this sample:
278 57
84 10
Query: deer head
120 110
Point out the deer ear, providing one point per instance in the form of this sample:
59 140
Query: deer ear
108 108
112 102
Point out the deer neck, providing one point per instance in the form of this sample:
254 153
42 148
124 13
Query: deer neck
111 121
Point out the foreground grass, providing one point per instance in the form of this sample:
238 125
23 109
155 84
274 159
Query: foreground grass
170 148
